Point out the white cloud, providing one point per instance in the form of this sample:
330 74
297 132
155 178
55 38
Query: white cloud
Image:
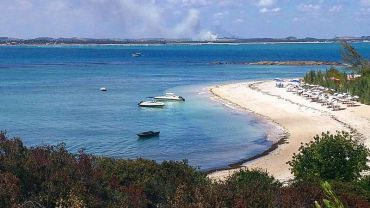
309 7
263 10
224 3
364 11
191 21
221 14
100 18
298 19
175 18
239 20
365 3
272 10
190 3
266 3
336 8
24 4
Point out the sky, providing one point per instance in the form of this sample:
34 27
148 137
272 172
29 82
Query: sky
195 19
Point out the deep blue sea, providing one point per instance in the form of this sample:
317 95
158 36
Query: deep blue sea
50 94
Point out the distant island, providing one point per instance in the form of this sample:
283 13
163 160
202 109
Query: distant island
225 40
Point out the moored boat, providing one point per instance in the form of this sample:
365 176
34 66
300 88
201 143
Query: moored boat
169 97
151 104
147 134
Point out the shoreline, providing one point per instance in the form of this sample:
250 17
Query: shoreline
240 163
300 119
276 138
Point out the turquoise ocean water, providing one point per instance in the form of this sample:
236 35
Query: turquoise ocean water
50 95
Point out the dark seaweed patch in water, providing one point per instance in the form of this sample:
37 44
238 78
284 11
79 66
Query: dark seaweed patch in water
273 147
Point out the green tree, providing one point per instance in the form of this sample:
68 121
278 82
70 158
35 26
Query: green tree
330 157
352 57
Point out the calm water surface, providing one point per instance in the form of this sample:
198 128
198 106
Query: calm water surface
51 95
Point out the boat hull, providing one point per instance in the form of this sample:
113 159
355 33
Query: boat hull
151 105
169 98
148 134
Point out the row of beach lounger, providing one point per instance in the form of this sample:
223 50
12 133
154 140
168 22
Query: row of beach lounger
325 96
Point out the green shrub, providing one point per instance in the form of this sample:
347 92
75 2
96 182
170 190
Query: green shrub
364 183
330 157
254 188
300 194
50 176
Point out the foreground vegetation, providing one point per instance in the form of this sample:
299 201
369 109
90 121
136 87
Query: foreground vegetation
355 79
331 157
50 176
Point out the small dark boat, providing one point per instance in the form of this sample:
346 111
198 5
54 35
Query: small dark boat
148 134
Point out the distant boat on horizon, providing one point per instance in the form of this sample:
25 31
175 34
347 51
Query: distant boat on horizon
136 54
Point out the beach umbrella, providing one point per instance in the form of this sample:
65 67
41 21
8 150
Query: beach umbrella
295 80
278 80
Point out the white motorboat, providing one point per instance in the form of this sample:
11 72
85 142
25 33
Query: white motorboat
169 97
103 89
151 104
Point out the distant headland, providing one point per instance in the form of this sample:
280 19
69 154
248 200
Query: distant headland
284 63
225 40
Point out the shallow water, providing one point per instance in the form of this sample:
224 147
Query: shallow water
51 95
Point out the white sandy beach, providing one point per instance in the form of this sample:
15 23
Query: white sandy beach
301 119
